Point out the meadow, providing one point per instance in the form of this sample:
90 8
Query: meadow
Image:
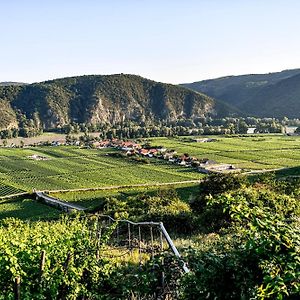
252 152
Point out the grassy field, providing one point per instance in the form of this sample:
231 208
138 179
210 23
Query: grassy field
248 152
74 168
26 209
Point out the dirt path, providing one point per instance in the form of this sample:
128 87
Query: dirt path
66 206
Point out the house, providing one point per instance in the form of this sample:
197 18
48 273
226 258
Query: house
181 162
56 143
207 162
144 152
161 149
152 152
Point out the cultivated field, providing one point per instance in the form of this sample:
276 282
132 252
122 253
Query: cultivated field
248 152
75 168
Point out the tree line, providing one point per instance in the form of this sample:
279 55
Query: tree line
29 127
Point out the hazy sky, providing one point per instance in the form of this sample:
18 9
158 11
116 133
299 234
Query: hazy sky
172 41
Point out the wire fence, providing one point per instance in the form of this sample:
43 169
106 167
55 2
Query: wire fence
146 237
127 241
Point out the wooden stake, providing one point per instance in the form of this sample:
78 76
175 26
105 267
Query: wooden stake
17 288
42 262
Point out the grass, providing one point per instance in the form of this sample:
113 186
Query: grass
26 209
94 199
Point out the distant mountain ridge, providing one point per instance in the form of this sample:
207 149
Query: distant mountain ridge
263 95
7 83
103 98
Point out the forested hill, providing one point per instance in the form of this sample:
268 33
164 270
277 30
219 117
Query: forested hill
263 95
98 99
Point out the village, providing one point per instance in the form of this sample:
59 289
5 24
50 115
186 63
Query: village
130 148
144 152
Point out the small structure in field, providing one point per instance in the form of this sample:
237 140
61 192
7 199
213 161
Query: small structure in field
37 157
204 140
217 168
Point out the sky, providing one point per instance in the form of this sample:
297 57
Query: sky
171 41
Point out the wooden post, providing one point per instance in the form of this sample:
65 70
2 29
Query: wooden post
152 247
129 237
67 262
162 249
42 262
17 288
140 244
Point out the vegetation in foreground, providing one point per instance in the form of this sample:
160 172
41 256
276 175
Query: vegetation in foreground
243 236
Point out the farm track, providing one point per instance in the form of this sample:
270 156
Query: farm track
48 200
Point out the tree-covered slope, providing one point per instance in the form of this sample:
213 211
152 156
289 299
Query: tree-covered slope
277 100
111 98
256 94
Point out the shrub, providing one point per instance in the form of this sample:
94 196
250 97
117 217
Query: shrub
164 207
258 255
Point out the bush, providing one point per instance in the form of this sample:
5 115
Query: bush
164 207
258 255
215 184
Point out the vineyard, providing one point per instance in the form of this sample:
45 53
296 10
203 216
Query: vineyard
87 258
73 168
246 152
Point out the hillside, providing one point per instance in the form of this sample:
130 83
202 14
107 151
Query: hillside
278 100
264 95
111 98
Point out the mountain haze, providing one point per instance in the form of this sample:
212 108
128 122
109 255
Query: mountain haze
263 95
107 98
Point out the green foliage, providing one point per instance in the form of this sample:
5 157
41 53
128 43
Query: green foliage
164 207
72 269
211 217
26 209
257 255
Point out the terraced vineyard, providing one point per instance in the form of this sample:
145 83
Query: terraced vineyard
74 168
248 152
